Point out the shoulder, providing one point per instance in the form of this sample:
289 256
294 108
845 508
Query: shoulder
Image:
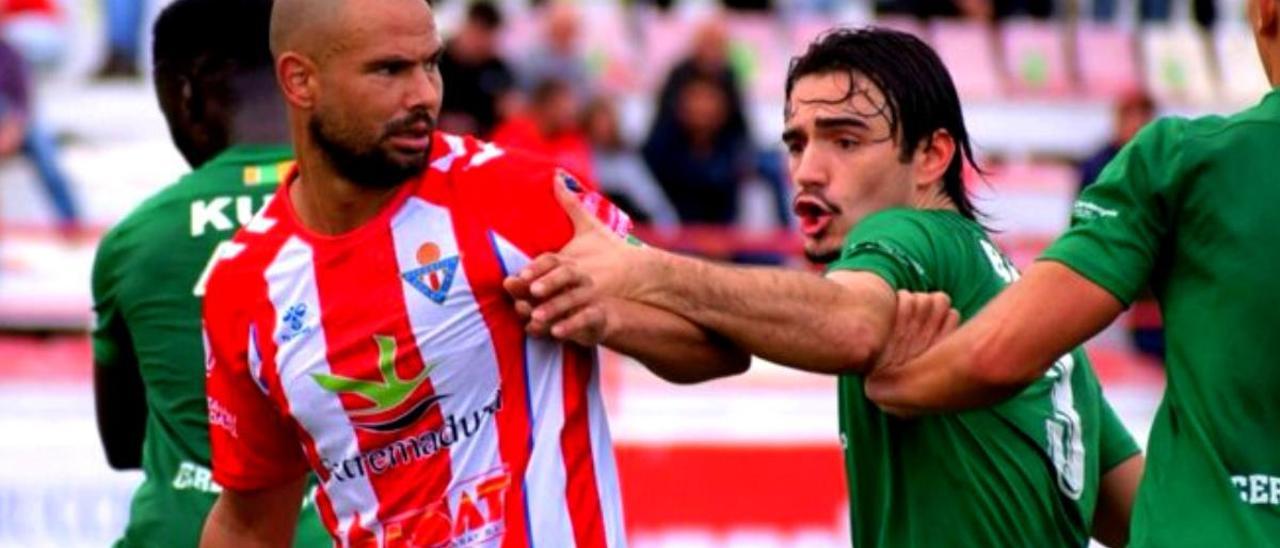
900 225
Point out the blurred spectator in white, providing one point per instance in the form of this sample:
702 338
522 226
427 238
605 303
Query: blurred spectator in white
982 10
699 154
123 20
619 170
1132 111
549 127
481 86
22 135
36 28
558 56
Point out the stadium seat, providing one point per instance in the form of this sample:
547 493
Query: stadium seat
969 52
1243 80
1107 60
666 41
757 49
1177 65
1028 203
1035 58
612 53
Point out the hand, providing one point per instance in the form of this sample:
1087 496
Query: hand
556 299
922 319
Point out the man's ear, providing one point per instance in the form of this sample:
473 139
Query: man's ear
932 158
297 76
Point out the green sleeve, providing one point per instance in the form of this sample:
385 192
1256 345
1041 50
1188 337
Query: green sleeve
1115 444
1119 222
111 343
893 245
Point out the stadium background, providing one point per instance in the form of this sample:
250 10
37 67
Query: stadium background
748 462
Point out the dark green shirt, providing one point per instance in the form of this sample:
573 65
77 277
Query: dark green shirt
1023 473
1192 207
147 280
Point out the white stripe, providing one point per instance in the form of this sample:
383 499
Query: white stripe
606 469
454 337
291 281
546 479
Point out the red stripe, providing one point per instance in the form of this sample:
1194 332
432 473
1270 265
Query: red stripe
264 320
485 274
359 285
575 441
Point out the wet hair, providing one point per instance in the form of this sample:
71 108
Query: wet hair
919 93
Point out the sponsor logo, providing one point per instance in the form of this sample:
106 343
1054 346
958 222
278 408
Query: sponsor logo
220 417
434 276
409 450
295 322
193 477
1258 489
395 402
477 521
1087 211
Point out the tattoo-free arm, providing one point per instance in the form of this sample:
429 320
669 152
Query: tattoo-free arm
1007 346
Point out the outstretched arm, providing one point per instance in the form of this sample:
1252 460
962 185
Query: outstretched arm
1006 347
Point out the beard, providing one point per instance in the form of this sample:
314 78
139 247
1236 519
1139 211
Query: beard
370 165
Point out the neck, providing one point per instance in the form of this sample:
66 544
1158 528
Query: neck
932 197
260 117
328 203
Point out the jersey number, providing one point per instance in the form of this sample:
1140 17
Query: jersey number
1066 441
224 250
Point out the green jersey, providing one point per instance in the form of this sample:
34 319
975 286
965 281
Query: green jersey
147 283
1190 208
1023 473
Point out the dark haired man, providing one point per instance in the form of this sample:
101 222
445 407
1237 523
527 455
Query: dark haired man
358 328
1189 209
218 95
877 144
482 87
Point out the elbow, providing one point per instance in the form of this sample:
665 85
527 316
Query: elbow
121 461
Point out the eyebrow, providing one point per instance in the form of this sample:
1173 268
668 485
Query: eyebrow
840 122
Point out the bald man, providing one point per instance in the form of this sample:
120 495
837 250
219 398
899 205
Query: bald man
357 327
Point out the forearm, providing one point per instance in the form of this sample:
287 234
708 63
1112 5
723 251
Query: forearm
796 319
1009 345
121 413
671 346
254 519
1116 492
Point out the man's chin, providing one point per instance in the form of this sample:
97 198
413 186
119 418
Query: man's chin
818 253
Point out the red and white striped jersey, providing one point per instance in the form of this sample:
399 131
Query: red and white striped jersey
390 361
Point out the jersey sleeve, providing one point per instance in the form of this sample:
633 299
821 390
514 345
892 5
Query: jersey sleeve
1119 221
540 224
893 245
253 445
112 346
1115 444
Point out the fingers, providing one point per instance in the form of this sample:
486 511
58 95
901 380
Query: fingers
571 203
921 320
586 327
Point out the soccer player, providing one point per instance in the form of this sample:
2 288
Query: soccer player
214 81
1188 208
877 143
358 327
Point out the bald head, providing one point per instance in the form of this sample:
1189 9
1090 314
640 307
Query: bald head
315 27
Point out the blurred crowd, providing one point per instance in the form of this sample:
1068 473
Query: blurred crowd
689 167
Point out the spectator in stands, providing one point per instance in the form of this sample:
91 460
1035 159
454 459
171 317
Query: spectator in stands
699 156
481 85
124 30
36 29
619 170
1132 112
983 10
559 56
22 134
708 59
549 127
